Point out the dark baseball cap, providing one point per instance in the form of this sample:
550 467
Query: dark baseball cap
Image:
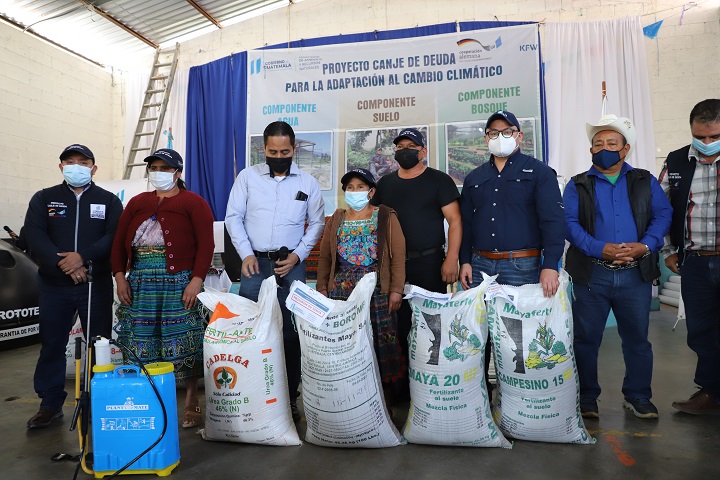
167 155
503 115
411 134
77 148
360 173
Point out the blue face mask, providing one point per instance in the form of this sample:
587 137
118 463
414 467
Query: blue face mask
357 200
706 150
605 158
77 175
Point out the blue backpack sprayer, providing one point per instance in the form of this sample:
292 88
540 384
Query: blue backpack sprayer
132 412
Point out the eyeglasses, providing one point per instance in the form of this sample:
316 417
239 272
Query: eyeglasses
411 146
507 133
165 168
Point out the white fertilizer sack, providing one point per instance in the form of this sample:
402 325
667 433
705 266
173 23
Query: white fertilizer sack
342 390
538 389
246 390
449 403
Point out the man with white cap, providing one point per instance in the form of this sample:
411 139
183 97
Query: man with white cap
616 218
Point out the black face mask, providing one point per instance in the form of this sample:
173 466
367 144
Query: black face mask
407 158
278 165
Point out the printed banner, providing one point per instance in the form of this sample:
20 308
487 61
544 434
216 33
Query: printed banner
364 93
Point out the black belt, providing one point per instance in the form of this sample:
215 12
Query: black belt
611 266
421 253
272 255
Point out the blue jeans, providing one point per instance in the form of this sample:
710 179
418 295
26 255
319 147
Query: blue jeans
629 296
514 271
57 311
250 288
701 295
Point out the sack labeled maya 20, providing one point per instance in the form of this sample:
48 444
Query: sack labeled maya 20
450 404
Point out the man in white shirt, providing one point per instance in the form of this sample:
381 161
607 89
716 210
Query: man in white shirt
266 214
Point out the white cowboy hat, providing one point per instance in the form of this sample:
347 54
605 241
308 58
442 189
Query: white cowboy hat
623 125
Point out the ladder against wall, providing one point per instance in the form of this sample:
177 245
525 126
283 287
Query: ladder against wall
150 122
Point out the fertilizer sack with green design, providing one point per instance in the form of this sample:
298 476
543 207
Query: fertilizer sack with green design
246 392
449 399
538 387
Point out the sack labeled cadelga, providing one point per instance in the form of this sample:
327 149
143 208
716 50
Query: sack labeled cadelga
246 390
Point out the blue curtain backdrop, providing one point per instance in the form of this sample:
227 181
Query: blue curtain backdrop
217 109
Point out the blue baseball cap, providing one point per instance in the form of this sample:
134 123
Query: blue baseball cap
167 155
411 134
503 115
360 173
77 148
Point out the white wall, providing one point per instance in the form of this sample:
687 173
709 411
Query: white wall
48 100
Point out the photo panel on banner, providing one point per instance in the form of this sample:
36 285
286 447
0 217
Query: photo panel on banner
466 148
373 149
313 154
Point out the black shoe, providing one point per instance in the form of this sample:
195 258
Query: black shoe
589 408
44 417
294 410
641 407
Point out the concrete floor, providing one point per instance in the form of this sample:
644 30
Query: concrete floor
675 446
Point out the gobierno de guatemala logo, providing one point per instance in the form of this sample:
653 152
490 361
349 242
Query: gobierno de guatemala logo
257 65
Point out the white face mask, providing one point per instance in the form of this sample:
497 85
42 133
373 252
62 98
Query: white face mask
77 175
501 146
162 181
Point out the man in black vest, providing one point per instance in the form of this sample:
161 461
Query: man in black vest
616 218
690 178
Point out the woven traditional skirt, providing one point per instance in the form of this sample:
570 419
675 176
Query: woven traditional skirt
387 349
157 327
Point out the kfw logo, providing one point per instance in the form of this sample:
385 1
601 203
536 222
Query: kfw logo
528 47
255 66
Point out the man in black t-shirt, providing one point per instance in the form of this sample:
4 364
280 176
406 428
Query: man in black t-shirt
423 198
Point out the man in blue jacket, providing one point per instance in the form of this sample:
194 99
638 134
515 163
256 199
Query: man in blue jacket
70 229
616 218
512 213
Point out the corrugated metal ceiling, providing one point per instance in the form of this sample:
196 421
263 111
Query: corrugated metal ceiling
112 32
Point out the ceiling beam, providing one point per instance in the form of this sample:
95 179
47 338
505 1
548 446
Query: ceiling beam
118 23
30 31
200 9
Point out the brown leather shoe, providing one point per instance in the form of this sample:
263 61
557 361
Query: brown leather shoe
701 402
44 417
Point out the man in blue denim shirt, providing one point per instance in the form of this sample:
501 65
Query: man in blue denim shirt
616 218
512 213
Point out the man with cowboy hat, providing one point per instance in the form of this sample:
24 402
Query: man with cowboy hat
616 218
